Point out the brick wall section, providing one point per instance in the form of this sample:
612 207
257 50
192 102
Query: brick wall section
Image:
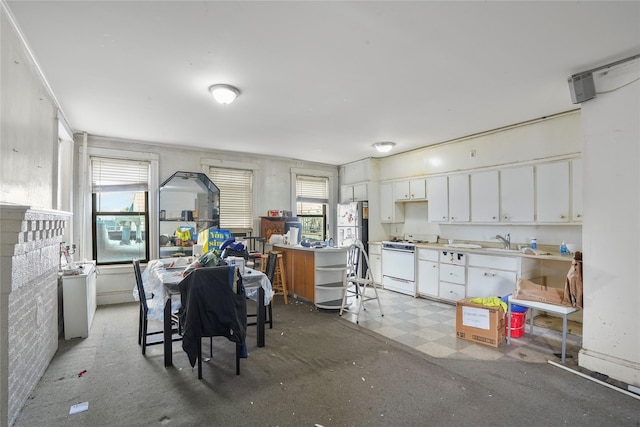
30 249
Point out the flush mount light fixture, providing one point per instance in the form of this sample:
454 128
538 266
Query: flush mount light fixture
224 94
384 147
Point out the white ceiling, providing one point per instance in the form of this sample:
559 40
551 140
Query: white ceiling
320 81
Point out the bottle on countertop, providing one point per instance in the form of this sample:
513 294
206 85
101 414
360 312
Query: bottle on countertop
534 243
563 249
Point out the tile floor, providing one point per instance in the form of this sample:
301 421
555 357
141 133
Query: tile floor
430 327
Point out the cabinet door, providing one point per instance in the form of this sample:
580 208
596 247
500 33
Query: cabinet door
360 192
346 193
390 211
552 192
516 194
486 282
459 198
418 189
401 190
576 190
375 261
428 278
485 197
438 208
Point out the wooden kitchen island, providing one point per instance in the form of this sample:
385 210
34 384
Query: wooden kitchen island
317 275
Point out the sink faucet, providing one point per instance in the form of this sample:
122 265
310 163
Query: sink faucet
506 241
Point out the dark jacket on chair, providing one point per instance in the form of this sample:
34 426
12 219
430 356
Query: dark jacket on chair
213 304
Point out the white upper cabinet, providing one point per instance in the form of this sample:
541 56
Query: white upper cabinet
438 206
390 211
576 190
485 196
517 194
552 192
459 198
414 189
353 193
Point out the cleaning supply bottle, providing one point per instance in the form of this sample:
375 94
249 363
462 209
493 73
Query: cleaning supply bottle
563 249
534 243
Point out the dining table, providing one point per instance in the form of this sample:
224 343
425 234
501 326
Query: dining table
257 287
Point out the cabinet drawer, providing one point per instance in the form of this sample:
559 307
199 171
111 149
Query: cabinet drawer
452 273
428 254
497 262
449 257
451 291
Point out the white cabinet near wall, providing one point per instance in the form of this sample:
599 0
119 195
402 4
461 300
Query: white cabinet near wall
428 272
353 193
79 302
459 198
552 192
576 190
485 197
411 190
390 211
438 191
375 261
517 194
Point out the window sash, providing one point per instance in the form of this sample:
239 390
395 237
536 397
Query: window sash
110 175
236 197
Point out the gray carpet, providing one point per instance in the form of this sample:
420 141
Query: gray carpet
316 369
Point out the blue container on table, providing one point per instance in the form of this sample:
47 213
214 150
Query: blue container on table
514 308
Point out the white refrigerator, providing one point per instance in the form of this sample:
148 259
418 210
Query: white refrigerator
352 223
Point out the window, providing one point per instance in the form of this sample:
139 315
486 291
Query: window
236 197
312 198
120 210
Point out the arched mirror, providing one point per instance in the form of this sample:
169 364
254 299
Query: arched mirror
189 203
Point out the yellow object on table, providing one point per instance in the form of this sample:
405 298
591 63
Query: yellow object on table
490 302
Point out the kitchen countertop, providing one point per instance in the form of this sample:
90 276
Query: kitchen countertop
302 248
486 250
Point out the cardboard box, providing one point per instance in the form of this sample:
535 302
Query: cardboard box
530 291
479 323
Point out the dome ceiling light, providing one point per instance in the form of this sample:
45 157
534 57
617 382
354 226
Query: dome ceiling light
384 147
224 94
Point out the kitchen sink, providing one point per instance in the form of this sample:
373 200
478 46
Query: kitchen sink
502 250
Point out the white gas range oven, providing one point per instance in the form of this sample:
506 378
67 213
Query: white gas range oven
399 263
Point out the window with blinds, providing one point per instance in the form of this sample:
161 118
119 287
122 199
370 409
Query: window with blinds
312 189
312 197
120 210
236 197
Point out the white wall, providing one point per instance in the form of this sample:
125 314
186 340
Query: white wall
272 187
611 155
30 238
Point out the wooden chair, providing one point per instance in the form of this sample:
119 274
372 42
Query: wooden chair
143 332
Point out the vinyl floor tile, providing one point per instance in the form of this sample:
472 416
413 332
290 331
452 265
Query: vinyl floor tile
430 326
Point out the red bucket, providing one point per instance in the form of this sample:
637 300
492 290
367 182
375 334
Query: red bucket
518 320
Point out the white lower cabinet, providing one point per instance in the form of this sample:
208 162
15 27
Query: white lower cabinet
428 272
79 302
453 275
375 261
